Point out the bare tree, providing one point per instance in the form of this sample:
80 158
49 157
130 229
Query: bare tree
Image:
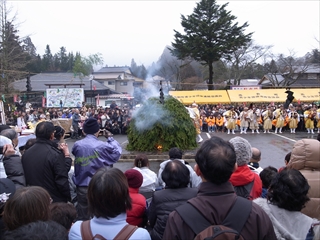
237 63
12 54
284 70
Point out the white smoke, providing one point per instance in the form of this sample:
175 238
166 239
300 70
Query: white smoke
149 114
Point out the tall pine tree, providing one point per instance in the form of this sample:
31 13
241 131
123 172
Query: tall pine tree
210 33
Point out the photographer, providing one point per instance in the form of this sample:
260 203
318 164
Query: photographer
11 163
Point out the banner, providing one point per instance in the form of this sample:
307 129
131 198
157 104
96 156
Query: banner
43 101
70 97
201 96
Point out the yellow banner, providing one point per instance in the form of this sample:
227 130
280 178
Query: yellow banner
201 97
306 95
258 95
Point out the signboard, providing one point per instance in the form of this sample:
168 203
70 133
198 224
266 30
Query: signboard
65 97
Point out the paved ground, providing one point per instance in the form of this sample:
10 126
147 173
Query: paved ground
274 147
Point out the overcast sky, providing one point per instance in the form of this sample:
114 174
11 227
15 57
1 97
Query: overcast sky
122 30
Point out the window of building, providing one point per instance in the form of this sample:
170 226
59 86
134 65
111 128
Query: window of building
110 82
123 83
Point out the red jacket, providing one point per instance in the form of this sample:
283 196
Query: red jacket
138 201
243 175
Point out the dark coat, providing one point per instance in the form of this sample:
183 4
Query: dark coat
44 165
14 170
163 203
215 209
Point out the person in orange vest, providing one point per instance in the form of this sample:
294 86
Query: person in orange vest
204 125
211 123
219 123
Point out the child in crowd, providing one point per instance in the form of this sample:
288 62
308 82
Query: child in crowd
266 176
137 214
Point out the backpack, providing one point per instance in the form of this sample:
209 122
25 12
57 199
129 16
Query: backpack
244 191
230 228
124 234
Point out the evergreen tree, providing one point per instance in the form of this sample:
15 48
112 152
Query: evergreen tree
63 59
167 125
70 62
209 35
33 59
47 60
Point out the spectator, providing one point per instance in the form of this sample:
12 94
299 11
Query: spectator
29 143
176 177
3 141
266 176
150 180
215 162
13 136
286 198
75 124
90 155
7 190
176 153
286 161
254 161
28 204
63 213
39 230
305 157
137 214
247 184
47 166
108 199
59 133
13 166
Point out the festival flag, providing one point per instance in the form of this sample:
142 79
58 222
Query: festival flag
3 98
98 100
15 98
94 87
299 101
43 101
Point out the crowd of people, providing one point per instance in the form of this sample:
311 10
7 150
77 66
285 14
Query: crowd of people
254 118
41 186
93 200
260 117
114 119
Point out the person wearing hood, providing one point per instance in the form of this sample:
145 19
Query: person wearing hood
176 153
10 164
305 157
243 177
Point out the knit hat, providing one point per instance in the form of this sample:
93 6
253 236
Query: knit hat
242 149
134 178
3 141
7 189
91 126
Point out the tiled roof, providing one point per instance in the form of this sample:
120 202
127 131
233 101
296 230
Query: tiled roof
115 96
114 70
40 82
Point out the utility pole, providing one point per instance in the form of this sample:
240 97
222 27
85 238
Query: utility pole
29 88
161 94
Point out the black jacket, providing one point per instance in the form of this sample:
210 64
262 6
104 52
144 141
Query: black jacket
14 170
44 165
163 203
